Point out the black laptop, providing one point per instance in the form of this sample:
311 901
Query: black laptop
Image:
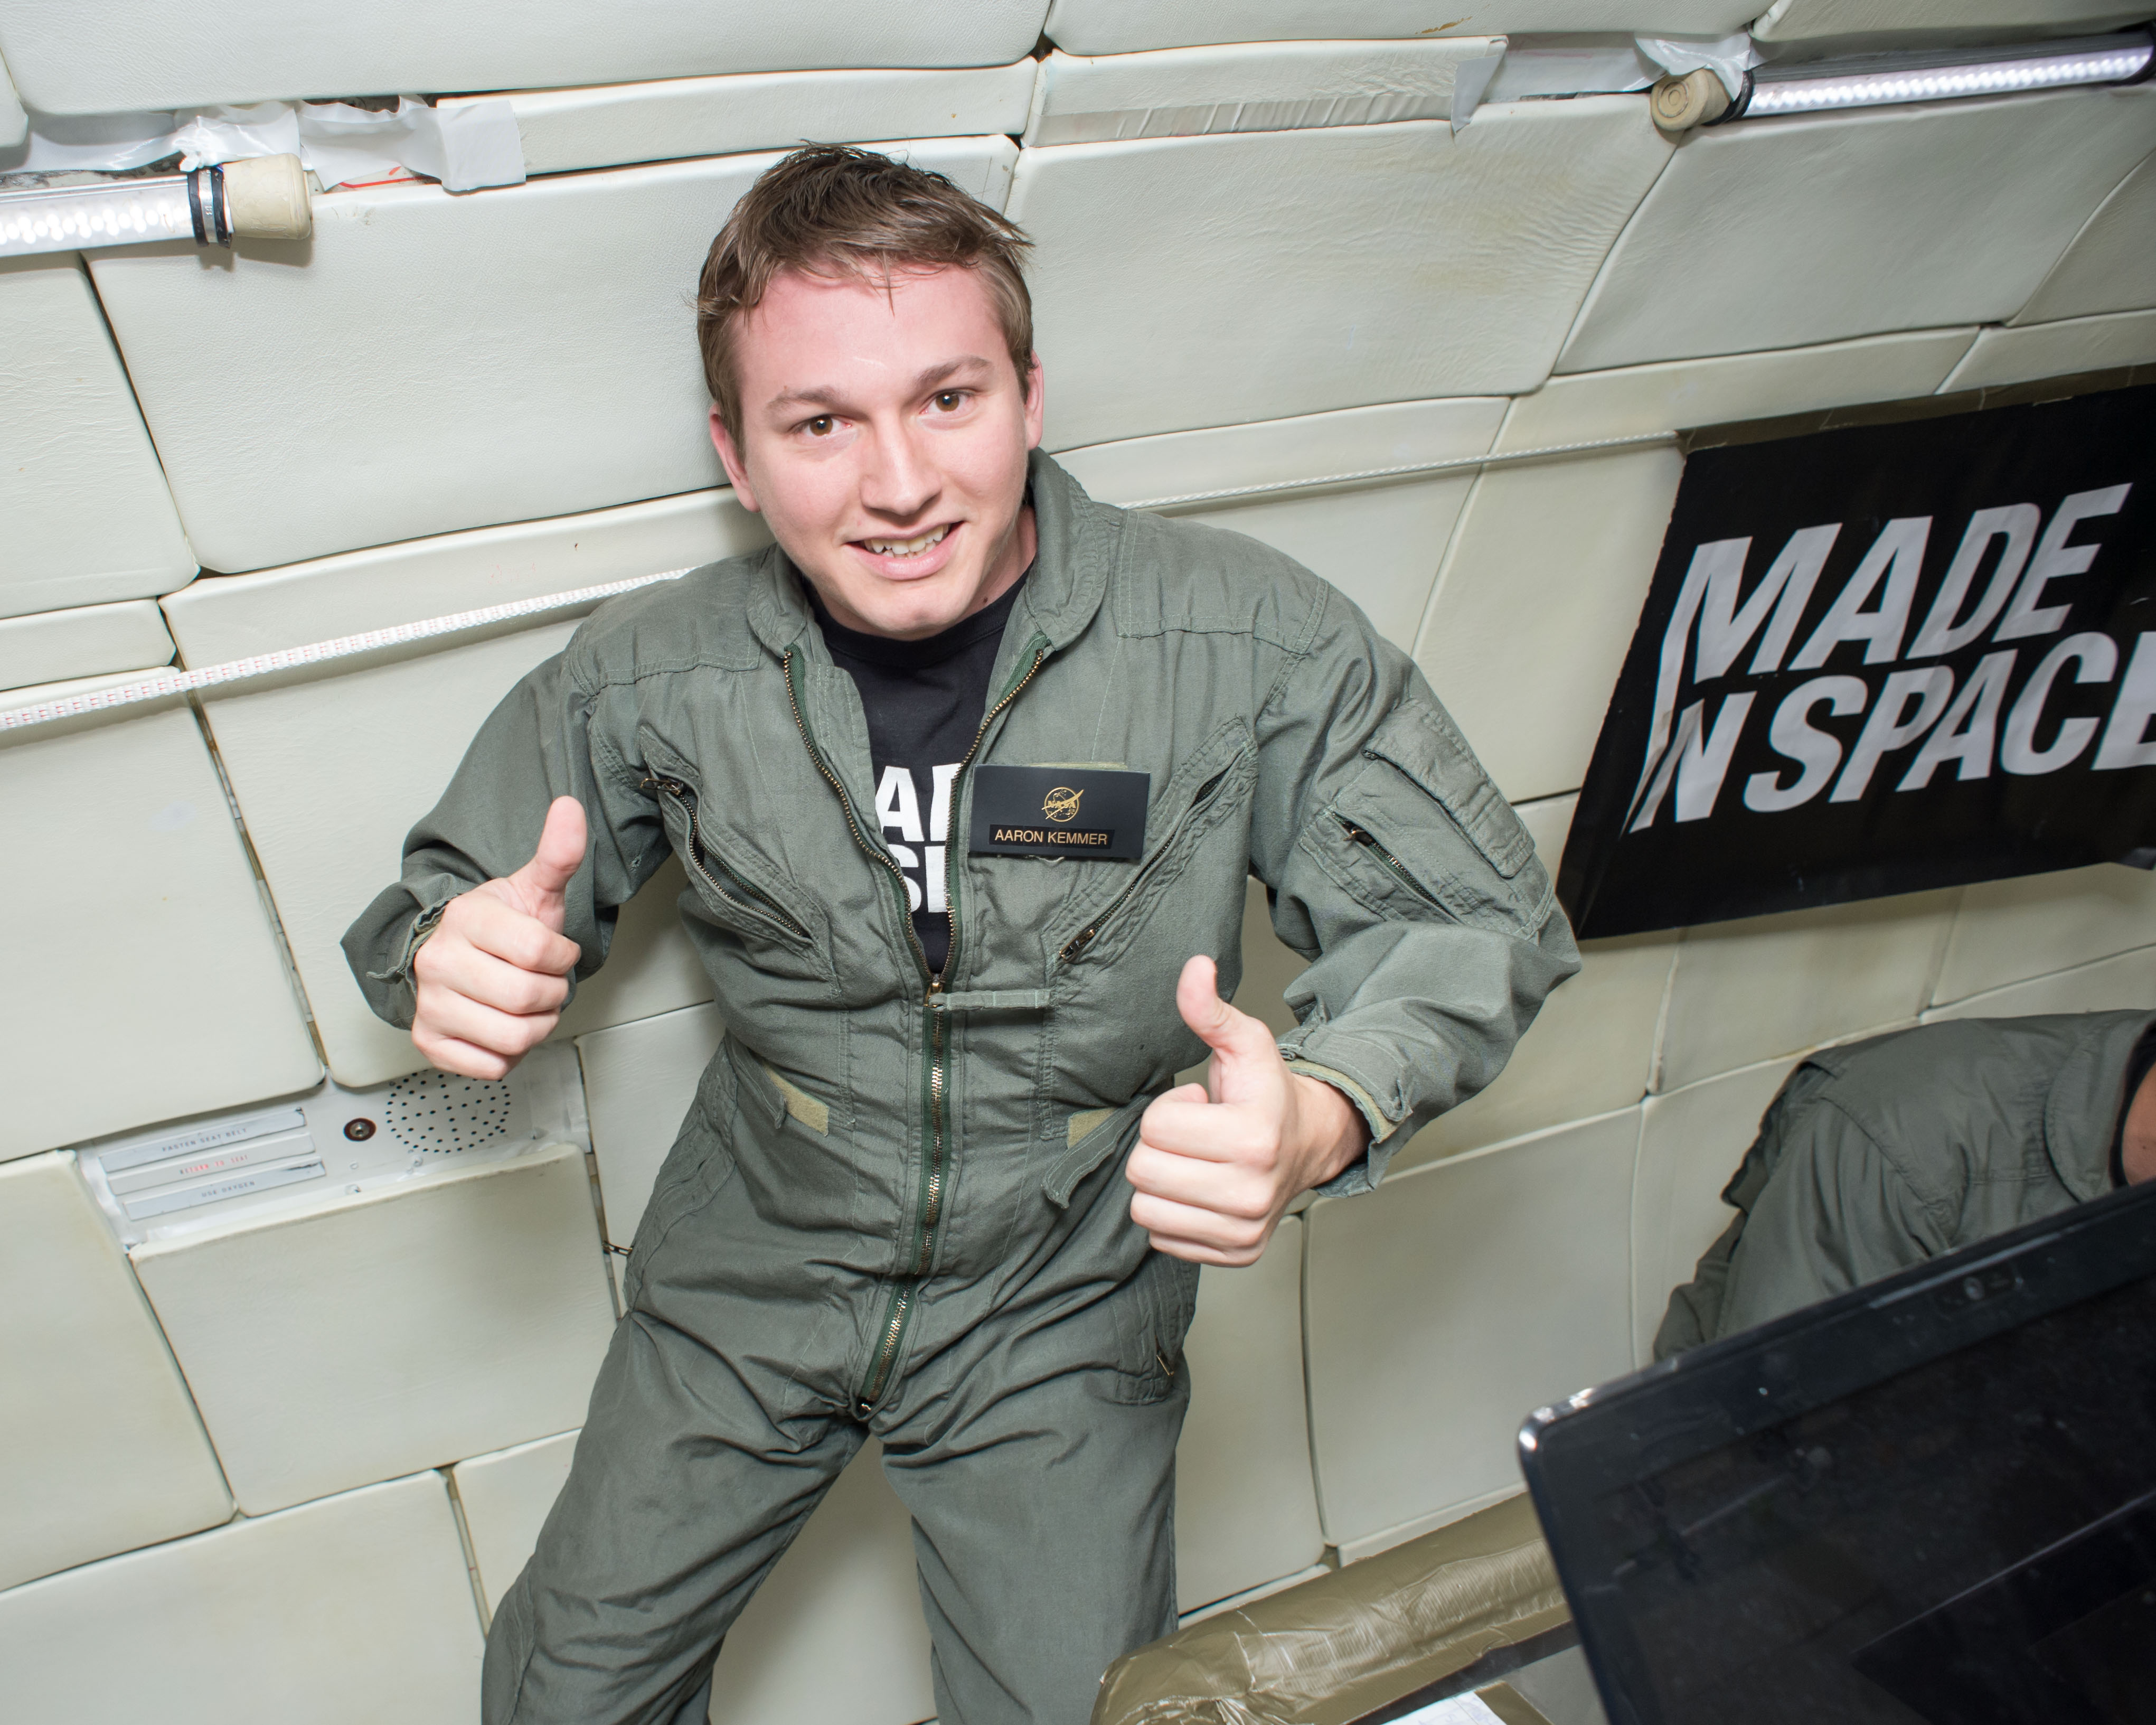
1928 1502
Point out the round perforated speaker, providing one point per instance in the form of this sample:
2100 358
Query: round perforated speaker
439 1113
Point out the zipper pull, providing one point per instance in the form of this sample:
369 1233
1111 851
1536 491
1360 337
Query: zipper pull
935 987
1357 833
1078 942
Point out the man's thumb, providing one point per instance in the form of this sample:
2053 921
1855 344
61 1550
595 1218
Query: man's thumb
560 855
1216 1023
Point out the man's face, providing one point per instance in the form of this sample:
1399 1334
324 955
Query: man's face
884 438
2137 1143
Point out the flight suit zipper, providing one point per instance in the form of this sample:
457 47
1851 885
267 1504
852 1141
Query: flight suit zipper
934 1174
685 795
1085 937
1368 840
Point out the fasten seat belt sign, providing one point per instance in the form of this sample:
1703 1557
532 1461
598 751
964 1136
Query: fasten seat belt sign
1883 659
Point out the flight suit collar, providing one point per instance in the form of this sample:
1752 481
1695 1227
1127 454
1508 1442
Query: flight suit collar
1075 546
2087 1099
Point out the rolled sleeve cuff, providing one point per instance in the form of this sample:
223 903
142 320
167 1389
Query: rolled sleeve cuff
1387 1132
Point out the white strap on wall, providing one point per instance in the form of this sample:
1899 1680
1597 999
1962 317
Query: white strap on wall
263 665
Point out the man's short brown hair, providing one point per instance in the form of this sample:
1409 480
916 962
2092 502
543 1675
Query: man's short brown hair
832 211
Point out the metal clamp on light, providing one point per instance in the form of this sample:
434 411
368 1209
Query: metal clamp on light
1874 80
265 199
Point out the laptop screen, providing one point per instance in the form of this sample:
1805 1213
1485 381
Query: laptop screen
1933 1500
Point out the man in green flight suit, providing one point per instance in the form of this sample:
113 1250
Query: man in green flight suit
968 772
1878 1155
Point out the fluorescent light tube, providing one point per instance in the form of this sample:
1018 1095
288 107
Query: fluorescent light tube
1875 80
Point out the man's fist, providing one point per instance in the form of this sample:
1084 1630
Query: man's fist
492 977
1217 1165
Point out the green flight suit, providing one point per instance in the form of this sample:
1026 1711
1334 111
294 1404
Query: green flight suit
1883 1153
897 1205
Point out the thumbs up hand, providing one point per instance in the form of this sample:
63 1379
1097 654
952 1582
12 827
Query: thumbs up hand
1218 1164
491 978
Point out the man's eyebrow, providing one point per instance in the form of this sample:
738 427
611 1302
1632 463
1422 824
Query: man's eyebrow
826 395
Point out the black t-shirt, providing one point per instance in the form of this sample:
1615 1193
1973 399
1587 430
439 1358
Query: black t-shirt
924 701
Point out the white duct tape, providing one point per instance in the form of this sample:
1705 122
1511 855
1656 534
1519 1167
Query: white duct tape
169 683
1729 59
465 145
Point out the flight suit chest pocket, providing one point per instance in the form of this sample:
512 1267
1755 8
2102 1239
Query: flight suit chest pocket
736 889
1206 801
1421 831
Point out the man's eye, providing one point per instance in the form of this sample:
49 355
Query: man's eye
822 425
949 400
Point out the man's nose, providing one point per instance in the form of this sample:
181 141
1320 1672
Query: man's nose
898 479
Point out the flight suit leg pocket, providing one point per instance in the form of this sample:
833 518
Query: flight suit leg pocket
1154 1309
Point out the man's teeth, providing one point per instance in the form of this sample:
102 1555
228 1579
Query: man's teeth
907 547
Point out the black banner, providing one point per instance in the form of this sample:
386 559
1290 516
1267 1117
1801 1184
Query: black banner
1883 659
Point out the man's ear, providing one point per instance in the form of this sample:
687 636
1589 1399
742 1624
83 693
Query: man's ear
1036 389
730 457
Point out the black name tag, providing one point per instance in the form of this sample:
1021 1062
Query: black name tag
1059 811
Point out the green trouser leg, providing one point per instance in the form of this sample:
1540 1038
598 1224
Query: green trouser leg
1043 1530
1029 1424
1043 1515
1042 1524
681 1495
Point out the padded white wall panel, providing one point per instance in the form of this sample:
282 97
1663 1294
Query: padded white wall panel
142 919
1446 1307
1691 1141
102 56
1747 990
464 1312
640 1079
1377 543
1591 1049
56 646
1796 20
352 1611
2124 983
505 1497
333 768
2056 350
84 516
2109 266
1247 86
611 124
1245 1509
100 1445
1777 232
1182 282
430 362
2009 931
1559 553
1123 26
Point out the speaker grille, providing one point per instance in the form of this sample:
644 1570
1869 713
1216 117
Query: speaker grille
439 1114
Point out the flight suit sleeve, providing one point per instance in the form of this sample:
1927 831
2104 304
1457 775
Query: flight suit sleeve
542 741
1399 870
1835 1213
